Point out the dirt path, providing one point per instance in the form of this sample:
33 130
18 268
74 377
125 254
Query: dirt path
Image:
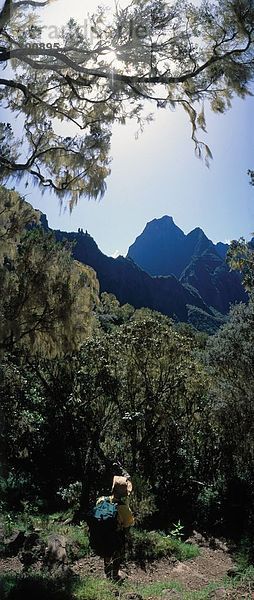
194 574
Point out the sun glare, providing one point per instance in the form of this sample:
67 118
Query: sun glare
112 60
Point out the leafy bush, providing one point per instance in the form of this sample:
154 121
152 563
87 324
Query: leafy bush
143 545
142 500
177 531
244 556
71 494
7 583
13 587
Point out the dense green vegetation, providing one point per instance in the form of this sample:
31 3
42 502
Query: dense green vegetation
91 381
172 404
91 588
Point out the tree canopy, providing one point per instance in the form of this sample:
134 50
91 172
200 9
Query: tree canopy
46 297
152 52
240 256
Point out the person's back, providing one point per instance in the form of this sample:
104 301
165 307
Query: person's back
108 534
116 546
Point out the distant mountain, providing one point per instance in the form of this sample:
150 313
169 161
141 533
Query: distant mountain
217 285
163 249
199 295
159 248
129 283
222 249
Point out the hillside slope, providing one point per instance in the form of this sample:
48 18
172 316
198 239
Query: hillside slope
131 284
200 295
163 249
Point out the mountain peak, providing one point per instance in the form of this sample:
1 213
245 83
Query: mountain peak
157 249
166 218
205 280
197 230
164 249
161 221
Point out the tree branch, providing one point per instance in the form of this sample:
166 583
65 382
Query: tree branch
23 53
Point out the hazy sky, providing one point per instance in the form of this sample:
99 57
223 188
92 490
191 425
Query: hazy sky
159 174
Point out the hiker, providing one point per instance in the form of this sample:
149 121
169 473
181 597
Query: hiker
110 519
121 489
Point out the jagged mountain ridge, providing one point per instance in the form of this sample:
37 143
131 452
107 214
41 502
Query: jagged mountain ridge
217 285
179 298
130 284
163 249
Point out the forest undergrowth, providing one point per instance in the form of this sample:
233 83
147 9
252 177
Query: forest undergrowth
156 566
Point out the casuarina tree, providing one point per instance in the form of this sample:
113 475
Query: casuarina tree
152 52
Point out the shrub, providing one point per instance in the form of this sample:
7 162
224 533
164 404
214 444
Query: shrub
143 545
142 499
37 586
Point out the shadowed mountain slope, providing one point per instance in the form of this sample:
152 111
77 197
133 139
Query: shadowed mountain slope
163 248
130 284
199 295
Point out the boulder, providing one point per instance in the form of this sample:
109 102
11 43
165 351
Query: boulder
216 544
55 558
32 550
131 596
14 543
218 594
171 595
197 538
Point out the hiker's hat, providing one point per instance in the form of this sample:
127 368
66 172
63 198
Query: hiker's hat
121 486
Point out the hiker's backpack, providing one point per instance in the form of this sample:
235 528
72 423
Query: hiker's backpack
103 523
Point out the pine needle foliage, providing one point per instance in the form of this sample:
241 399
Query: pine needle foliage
47 297
151 53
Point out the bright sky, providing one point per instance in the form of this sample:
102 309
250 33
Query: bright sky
159 174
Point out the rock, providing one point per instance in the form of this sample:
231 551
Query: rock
131 596
216 544
55 558
32 551
223 547
171 595
197 538
14 543
218 594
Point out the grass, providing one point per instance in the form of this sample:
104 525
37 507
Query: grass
41 587
141 546
88 588
78 540
95 589
7 584
152 545
157 588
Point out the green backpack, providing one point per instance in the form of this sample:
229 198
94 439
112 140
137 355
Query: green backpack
103 524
